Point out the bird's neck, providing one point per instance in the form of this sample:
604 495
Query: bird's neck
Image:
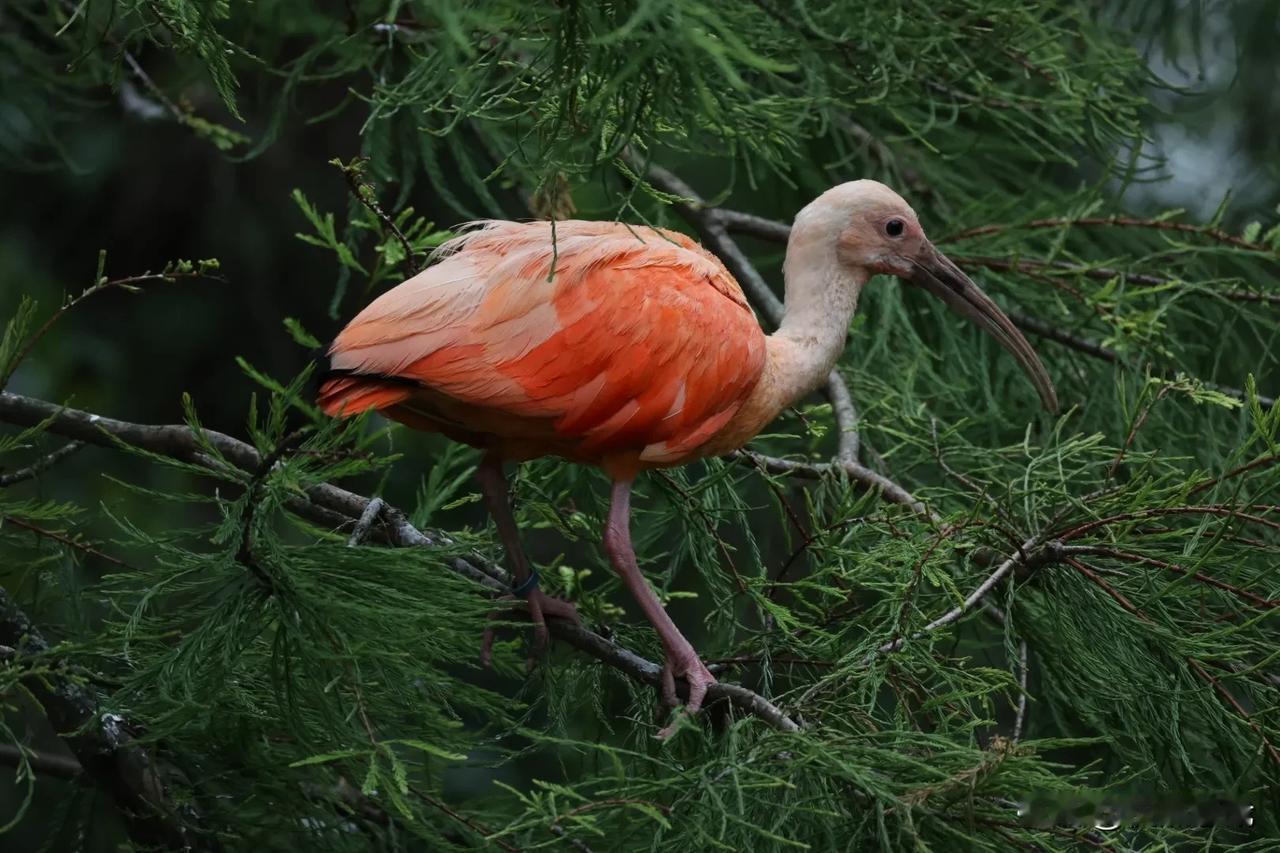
821 296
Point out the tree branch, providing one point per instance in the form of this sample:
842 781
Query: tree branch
334 506
1023 668
40 465
181 269
1216 234
104 748
890 490
1027 556
367 196
63 767
1045 330
1131 557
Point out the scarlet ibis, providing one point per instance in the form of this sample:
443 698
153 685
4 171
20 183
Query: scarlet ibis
637 351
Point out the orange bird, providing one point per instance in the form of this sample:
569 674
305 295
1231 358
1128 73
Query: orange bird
627 348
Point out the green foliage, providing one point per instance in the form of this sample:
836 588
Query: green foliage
304 691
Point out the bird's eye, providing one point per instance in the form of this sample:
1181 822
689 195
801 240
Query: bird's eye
894 227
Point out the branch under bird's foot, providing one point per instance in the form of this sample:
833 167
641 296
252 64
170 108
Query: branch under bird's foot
541 606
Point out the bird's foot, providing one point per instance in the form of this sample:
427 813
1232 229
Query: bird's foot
699 679
541 606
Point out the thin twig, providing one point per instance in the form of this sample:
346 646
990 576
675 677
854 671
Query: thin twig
1133 431
479 829
1129 556
1036 268
1209 231
1028 556
1239 709
41 465
145 78
1027 265
888 489
1038 327
1023 667
709 526
367 518
62 538
126 283
365 194
1247 512
1234 472
1195 664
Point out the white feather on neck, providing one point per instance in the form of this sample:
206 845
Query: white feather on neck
821 297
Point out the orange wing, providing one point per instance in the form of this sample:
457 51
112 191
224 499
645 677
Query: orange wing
641 342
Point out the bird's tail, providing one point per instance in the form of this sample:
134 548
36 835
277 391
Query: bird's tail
347 395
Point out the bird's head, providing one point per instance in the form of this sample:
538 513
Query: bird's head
876 231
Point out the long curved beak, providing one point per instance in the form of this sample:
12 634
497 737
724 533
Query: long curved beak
936 273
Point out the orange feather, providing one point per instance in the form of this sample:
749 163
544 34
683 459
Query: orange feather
639 348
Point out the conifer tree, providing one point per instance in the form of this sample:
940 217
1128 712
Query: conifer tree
941 619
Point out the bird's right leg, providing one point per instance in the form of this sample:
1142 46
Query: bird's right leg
682 659
493 485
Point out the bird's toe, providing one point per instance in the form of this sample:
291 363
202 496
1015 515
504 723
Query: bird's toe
699 679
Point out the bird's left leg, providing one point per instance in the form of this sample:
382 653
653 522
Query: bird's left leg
493 484
681 658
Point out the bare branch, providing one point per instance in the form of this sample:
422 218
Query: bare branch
738 222
1023 667
846 418
371 512
334 506
40 465
1027 556
890 490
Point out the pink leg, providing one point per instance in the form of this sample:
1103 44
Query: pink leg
493 484
681 660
